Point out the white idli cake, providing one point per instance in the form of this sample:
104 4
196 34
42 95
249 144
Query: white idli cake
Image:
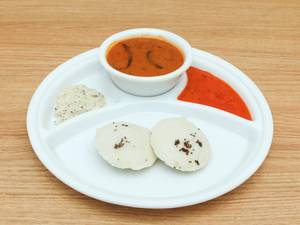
125 145
180 144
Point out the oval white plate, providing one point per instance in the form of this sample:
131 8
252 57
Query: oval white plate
238 146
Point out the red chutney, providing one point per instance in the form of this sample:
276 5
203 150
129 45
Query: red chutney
205 88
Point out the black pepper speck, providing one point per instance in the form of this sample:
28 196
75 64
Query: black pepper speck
199 143
186 151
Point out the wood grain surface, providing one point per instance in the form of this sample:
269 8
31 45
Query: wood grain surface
260 37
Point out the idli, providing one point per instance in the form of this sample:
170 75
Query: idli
180 144
125 145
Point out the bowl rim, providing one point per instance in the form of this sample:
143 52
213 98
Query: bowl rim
173 38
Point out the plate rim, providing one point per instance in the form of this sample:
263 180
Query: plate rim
125 201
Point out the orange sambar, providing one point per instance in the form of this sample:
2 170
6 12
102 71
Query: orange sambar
144 56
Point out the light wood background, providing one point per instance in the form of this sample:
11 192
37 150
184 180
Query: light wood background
260 37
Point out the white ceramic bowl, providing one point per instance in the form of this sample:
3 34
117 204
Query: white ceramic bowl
146 86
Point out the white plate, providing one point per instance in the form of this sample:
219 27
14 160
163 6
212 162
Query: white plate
238 146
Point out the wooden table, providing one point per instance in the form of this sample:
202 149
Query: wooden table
260 37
